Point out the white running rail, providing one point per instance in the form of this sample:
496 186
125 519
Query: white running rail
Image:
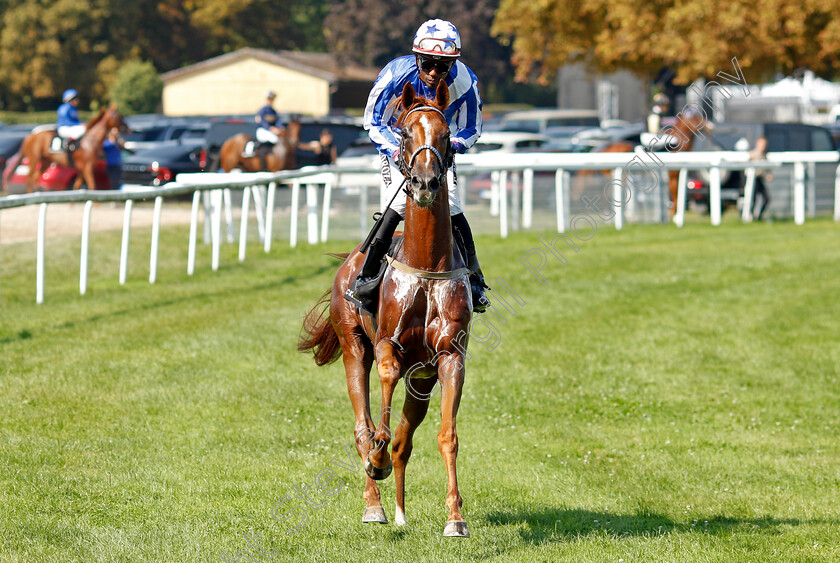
213 191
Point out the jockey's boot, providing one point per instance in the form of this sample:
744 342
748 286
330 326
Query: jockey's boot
463 234
364 290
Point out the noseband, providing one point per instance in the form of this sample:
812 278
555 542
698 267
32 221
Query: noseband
405 167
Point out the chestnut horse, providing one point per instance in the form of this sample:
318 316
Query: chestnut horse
689 123
36 148
420 330
678 137
281 156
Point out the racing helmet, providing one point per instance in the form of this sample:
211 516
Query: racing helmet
69 95
437 39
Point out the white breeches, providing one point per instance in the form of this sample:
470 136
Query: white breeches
266 136
72 131
390 181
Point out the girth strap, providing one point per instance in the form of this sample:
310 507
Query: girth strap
425 274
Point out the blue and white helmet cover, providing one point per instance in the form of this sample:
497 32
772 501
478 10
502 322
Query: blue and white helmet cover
438 39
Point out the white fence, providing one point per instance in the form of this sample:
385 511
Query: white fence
510 172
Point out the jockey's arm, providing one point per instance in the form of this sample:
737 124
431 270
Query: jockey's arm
468 121
379 111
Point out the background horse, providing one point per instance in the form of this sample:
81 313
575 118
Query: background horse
281 157
36 148
678 136
420 331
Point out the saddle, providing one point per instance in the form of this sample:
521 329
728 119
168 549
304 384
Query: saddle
62 144
254 149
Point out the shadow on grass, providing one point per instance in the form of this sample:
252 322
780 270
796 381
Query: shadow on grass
26 334
559 524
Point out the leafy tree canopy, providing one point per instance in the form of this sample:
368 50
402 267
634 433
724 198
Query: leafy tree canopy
696 39
137 88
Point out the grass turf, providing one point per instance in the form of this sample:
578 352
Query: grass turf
667 395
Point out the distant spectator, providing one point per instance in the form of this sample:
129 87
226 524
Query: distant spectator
113 147
324 148
659 108
759 152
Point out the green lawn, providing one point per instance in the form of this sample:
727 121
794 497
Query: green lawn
667 395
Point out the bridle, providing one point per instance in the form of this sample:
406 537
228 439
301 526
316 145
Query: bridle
444 162
405 167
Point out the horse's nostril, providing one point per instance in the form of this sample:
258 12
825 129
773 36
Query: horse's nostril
434 184
416 182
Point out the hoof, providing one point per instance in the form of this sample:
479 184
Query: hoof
375 514
378 473
457 529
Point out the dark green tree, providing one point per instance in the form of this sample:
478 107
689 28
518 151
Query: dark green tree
51 45
137 88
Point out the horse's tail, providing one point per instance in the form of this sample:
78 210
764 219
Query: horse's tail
318 335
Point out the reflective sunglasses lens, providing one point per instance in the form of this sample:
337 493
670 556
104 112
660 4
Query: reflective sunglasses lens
441 66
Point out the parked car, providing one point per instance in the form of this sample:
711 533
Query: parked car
599 137
780 137
159 166
55 178
361 152
538 120
163 133
508 142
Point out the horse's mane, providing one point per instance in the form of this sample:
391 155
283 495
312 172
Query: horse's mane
96 118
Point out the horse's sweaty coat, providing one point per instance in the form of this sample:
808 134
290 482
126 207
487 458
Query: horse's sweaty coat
420 333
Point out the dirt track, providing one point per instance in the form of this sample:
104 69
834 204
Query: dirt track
20 224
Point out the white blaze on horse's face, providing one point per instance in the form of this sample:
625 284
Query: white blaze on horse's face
424 195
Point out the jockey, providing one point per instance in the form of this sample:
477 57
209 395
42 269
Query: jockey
268 128
67 121
436 48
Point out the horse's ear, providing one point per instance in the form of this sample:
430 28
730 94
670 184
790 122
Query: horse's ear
407 95
442 95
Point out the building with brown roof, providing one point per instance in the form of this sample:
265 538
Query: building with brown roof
314 84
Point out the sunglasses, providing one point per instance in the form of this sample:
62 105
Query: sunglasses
442 67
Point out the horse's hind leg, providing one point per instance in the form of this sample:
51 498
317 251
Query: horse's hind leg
35 166
415 407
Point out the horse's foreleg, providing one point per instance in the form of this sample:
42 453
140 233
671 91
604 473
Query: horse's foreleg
451 375
415 407
673 188
90 182
357 364
378 465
